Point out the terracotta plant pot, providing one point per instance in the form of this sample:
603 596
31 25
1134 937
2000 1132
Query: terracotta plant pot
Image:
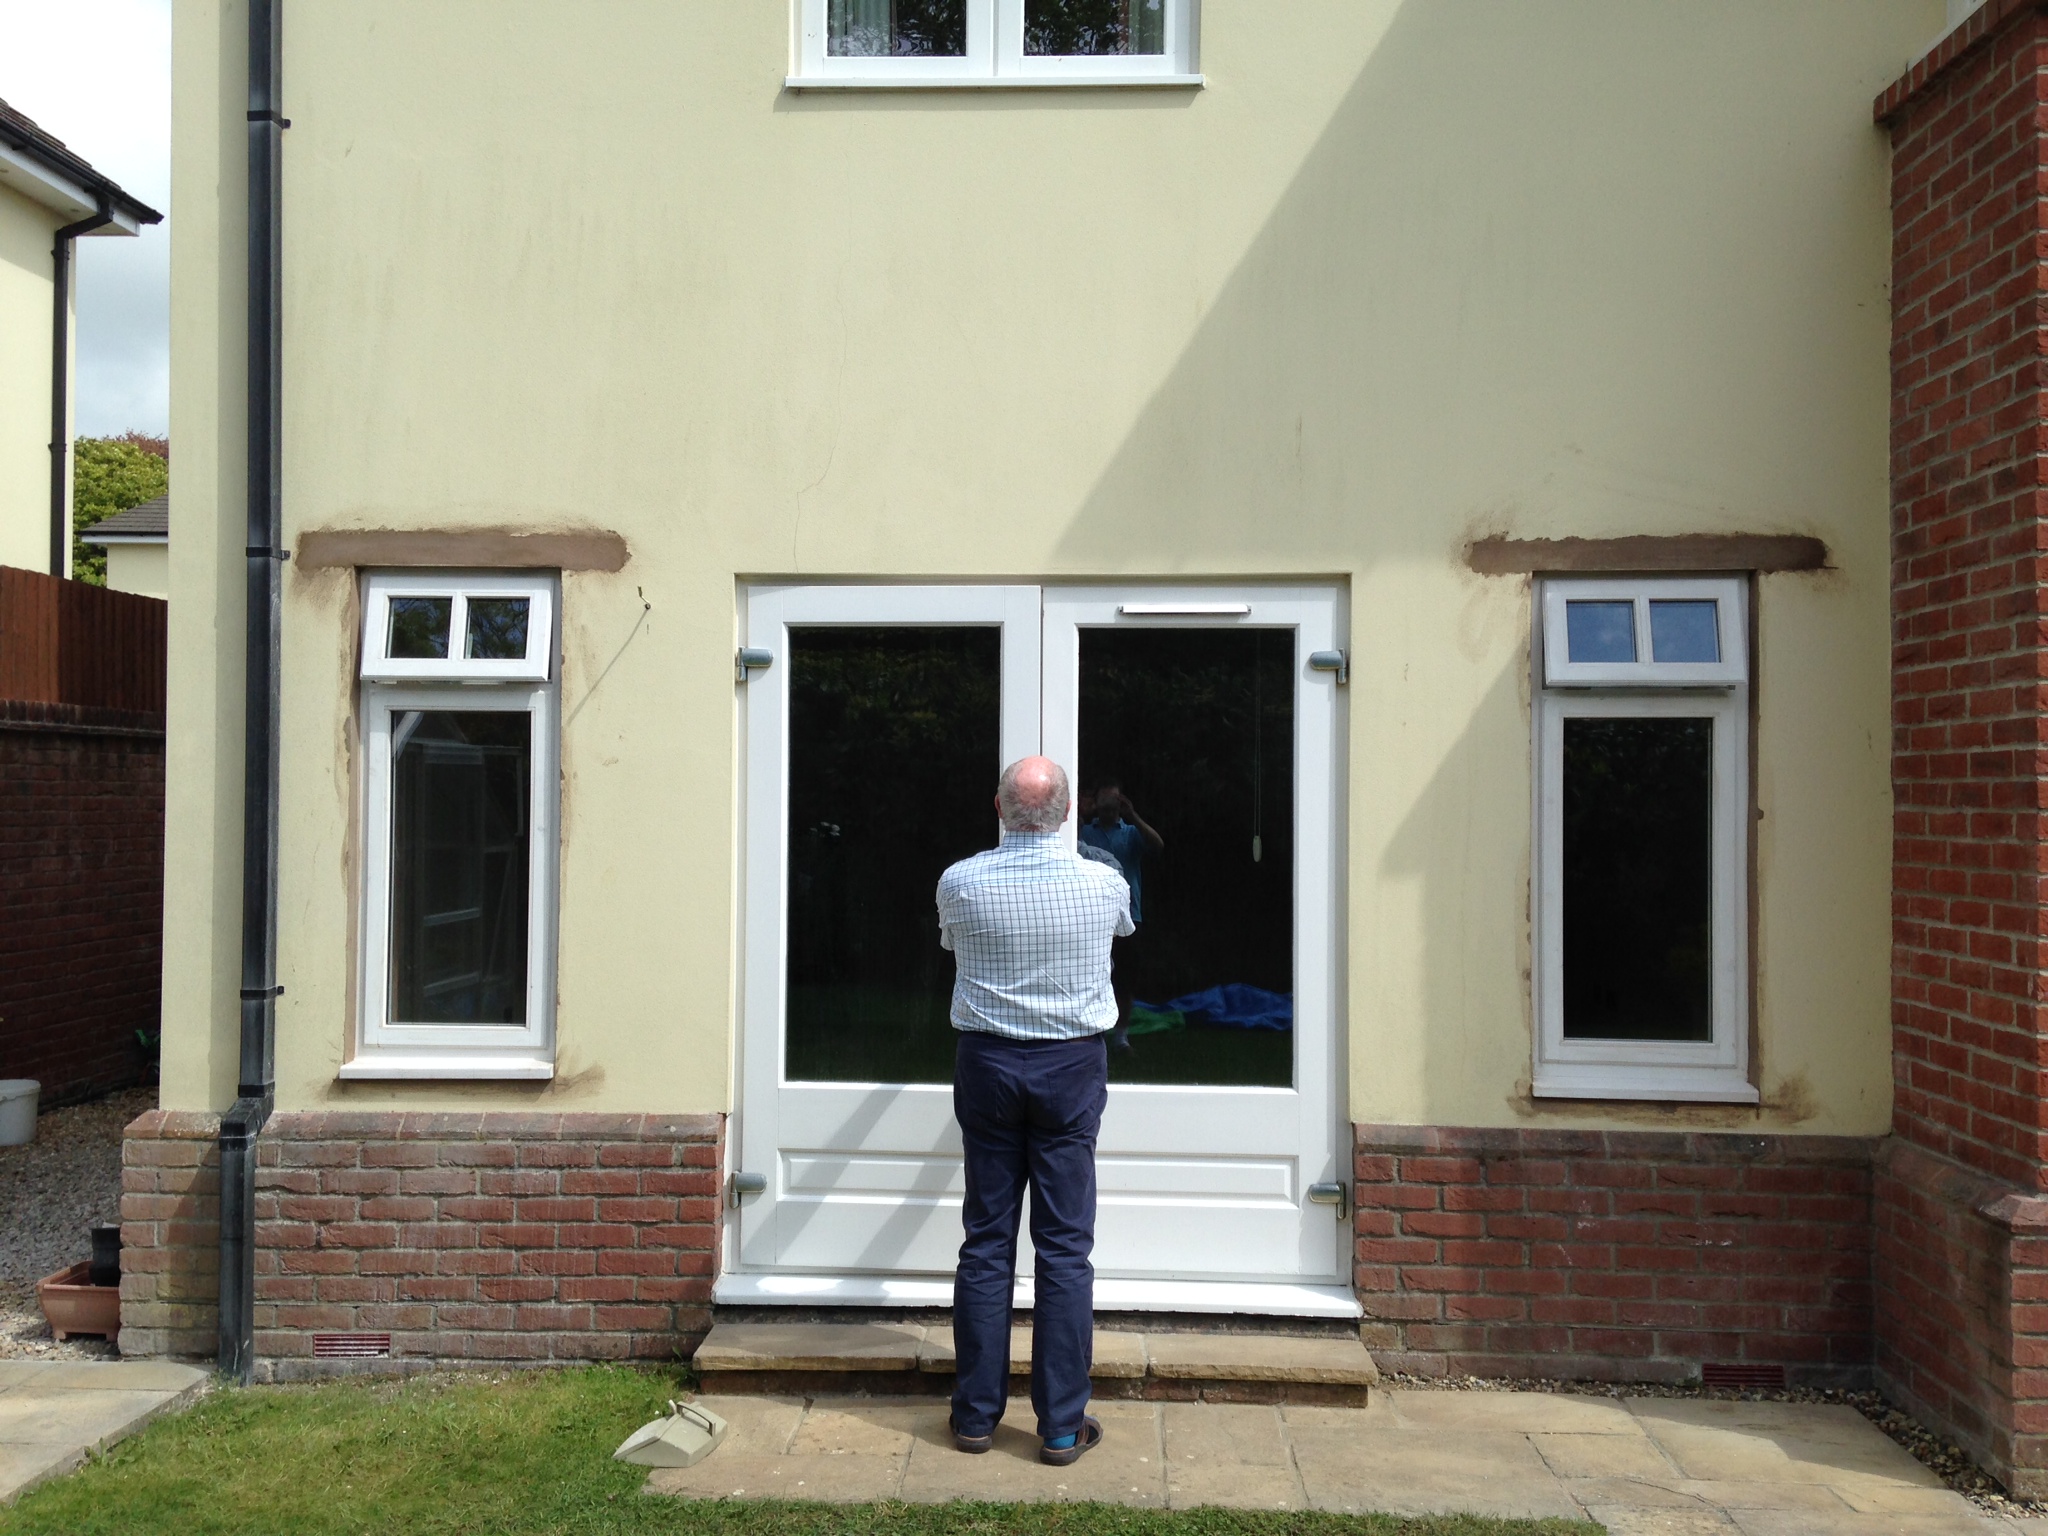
74 1305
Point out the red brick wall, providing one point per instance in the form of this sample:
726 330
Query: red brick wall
170 1235
1970 621
81 895
1962 1329
486 1237
1958 1270
1632 1256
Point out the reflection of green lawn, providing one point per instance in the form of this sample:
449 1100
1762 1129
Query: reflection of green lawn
853 1034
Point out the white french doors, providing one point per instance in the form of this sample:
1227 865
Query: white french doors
874 731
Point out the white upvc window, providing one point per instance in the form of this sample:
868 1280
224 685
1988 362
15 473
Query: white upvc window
459 798
1642 840
953 43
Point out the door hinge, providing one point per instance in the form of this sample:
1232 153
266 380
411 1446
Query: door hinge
1335 1193
1331 661
745 1184
750 657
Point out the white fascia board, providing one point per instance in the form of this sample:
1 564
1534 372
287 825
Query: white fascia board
90 537
56 192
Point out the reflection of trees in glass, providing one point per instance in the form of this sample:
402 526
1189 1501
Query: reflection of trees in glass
1198 728
1079 28
902 29
1638 878
894 735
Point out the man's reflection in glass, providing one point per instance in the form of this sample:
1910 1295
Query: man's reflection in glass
1112 825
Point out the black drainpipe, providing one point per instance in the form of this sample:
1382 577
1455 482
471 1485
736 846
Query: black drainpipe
240 1125
60 387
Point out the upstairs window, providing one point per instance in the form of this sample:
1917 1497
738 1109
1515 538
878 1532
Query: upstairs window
1642 884
995 42
459 748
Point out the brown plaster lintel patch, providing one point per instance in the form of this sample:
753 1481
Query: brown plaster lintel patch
583 549
1499 556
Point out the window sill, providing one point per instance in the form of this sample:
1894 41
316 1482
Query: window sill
1699 1085
447 1066
991 83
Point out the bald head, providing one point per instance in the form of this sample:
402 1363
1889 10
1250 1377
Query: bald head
1032 795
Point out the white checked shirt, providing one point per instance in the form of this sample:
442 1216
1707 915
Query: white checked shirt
1030 924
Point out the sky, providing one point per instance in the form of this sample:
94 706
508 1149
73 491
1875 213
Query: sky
97 74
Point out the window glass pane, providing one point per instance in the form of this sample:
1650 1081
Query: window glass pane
1685 631
896 29
894 749
1638 879
419 628
1600 631
1092 27
497 628
1187 780
461 823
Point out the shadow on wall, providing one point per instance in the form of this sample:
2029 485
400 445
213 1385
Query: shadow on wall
1634 316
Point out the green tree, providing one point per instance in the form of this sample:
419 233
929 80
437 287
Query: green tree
109 475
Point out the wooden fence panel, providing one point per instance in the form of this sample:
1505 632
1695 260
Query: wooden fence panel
64 642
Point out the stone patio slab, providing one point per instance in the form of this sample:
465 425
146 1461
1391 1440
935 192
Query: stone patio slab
1781 1522
1576 1455
810 1347
1259 1357
1224 1435
1751 1448
1624 1521
55 1413
1117 1355
1515 1412
1480 1472
1127 1468
828 1479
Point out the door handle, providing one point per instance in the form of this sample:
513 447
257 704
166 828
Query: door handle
1336 1193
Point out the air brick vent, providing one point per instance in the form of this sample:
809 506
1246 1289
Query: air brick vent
351 1346
1765 1378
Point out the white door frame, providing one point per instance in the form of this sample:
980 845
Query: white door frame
770 1236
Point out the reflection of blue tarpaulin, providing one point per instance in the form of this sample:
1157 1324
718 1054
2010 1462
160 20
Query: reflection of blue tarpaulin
1230 1006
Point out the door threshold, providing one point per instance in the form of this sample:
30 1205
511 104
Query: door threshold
1262 1298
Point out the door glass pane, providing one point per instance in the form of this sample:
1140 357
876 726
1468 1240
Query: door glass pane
898 29
1068 28
1638 879
1187 780
894 749
460 823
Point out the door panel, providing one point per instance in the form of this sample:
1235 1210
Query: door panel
873 744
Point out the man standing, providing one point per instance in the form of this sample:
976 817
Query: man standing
1030 926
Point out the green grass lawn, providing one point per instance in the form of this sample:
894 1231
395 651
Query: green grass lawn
525 1453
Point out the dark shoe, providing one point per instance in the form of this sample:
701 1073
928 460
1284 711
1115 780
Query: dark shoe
1086 1441
973 1445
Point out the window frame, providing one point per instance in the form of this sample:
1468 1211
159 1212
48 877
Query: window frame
1560 671
460 586
387 1048
1716 1070
995 56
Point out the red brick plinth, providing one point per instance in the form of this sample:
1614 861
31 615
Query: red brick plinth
170 1235
1611 1255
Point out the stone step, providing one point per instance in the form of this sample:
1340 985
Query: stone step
794 1359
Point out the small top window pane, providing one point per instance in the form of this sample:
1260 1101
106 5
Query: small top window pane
1685 631
1600 631
497 629
1081 28
896 29
419 628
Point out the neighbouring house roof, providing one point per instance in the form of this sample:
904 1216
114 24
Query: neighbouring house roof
36 163
149 523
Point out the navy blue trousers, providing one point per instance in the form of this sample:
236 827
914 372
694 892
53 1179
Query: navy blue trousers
1029 1111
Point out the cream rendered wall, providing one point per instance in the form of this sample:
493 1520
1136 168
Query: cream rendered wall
27 282
142 568
1399 275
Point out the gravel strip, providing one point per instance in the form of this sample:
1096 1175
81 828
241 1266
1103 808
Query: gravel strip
1943 1457
50 1191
